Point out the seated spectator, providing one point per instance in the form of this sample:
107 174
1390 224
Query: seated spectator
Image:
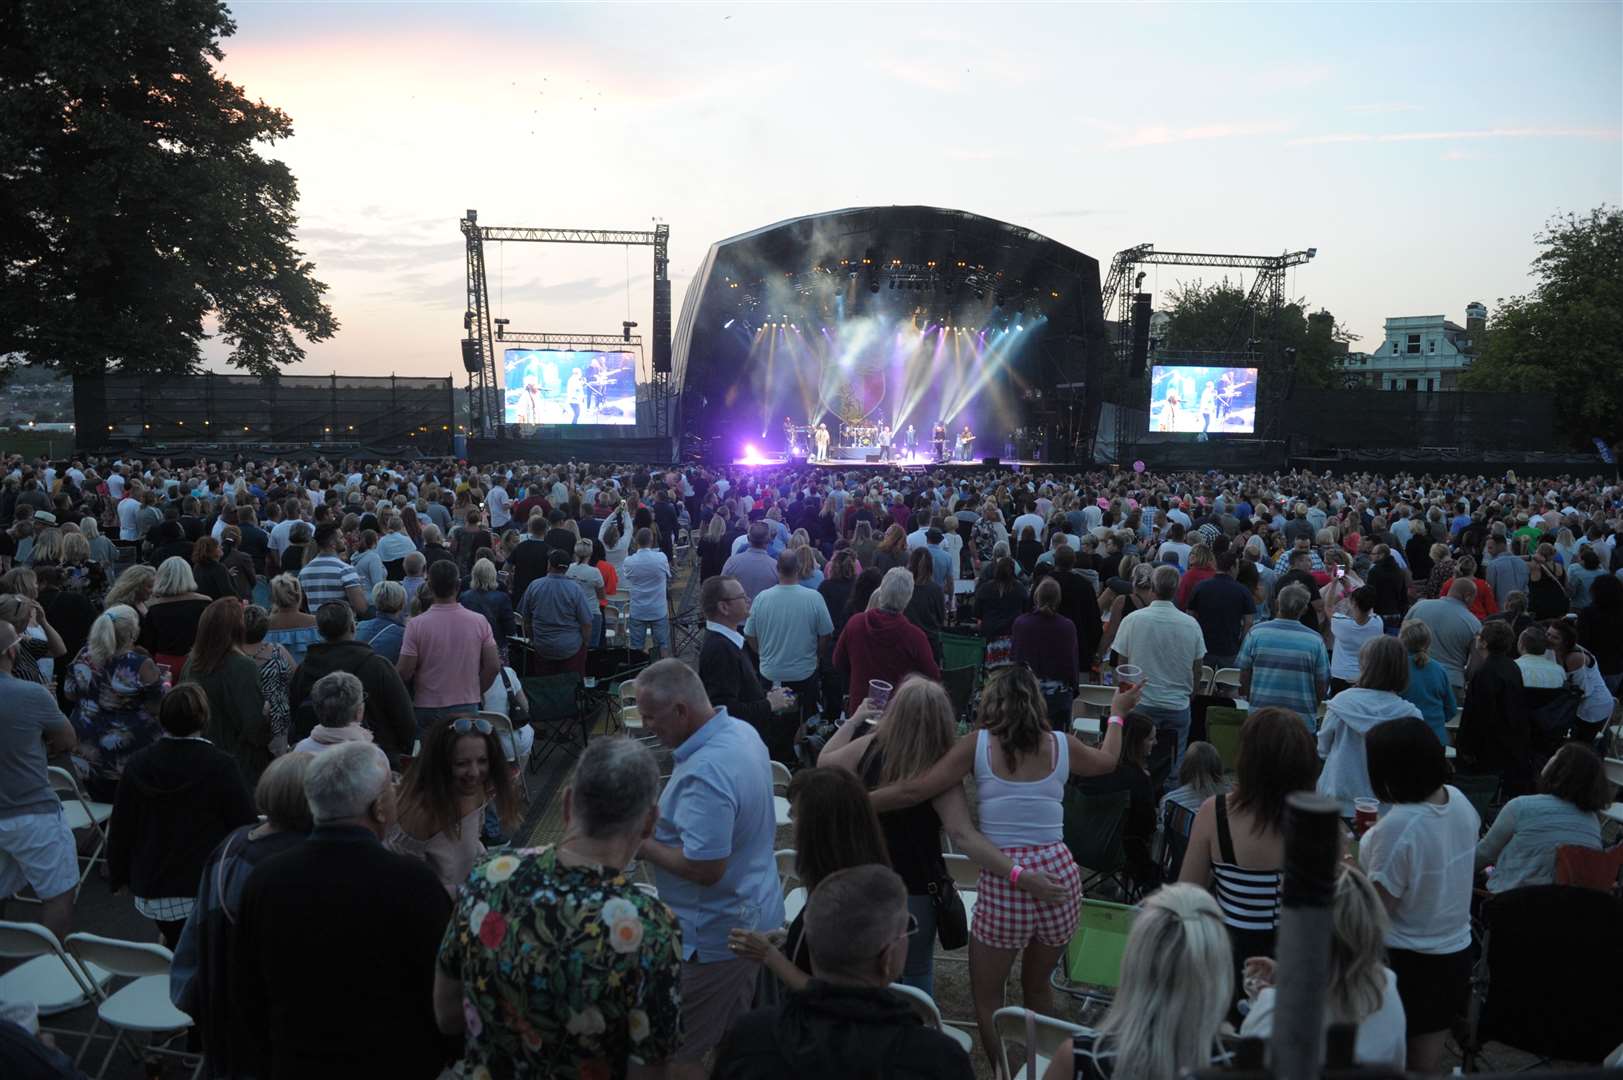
1521 845
1177 979
311 917
1132 774
608 942
116 688
1349 630
386 629
239 723
1200 777
207 956
1419 855
1045 642
1428 688
177 800
1363 990
846 1022
880 642
834 828
460 768
36 846
1352 714
290 625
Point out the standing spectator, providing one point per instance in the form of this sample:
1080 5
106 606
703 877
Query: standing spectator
36 846
729 675
592 583
178 799
1420 856
1045 642
647 576
442 798
1504 572
338 706
327 577
212 578
528 561
558 618
117 688
368 563
1582 671
880 643
1483 603
219 663
1170 648
788 627
754 567
1352 714
290 626
836 588
1078 603
1495 734
312 917
448 654
485 596
386 629
927 609
169 626
1224 608
711 850
1600 630
1349 631
1428 688
595 997
714 547
847 1022
206 957
1282 663
387 713
1000 600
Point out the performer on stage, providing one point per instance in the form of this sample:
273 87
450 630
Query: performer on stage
528 409
966 440
1168 420
822 441
884 440
1208 405
575 395
938 439
912 442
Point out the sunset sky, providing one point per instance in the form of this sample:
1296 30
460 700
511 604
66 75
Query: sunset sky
1418 147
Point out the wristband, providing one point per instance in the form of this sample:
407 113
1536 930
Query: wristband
1014 874
1116 720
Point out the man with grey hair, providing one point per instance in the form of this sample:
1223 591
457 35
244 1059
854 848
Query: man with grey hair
608 942
756 565
388 709
847 1021
1283 663
338 703
1170 648
729 675
711 851
341 919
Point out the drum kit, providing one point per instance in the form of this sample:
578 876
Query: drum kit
861 434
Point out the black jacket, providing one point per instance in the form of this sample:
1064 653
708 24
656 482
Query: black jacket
1495 730
730 678
177 800
336 944
389 713
828 1032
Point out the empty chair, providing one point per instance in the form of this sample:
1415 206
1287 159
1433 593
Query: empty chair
81 813
1038 1036
780 778
1090 970
967 876
1208 676
54 981
140 1007
1226 681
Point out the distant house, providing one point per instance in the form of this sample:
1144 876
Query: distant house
1420 352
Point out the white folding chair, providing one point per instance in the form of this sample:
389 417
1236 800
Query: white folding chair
140 1007
780 777
1227 681
794 896
1011 1025
1092 698
1614 771
1208 676
517 754
780 808
54 981
925 1008
81 813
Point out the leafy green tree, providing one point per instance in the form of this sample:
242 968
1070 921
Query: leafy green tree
1216 317
1566 336
135 206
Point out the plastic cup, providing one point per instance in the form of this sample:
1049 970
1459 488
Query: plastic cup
1365 811
879 692
1131 674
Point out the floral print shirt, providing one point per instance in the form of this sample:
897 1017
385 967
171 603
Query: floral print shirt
116 715
565 971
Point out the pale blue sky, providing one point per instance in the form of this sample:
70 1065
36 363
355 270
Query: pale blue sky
1418 147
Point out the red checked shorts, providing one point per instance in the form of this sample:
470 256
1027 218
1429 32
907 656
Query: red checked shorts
1008 917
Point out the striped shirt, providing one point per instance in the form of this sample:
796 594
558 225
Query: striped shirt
1248 899
324 579
1288 662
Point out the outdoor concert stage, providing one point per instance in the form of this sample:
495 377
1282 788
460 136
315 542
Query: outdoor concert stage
911 465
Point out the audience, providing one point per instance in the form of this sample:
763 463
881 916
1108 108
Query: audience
1521 846
787 628
1428 689
1283 664
239 722
116 687
442 797
879 642
448 653
1352 714
729 675
386 704
1169 647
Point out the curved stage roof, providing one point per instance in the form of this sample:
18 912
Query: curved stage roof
946 265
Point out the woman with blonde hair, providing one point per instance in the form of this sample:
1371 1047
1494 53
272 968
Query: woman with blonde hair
290 626
485 595
915 731
1021 768
169 626
47 549
101 548
1177 980
116 688
892 550
1141 596
132 587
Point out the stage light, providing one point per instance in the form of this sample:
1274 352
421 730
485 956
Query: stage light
1018 329
727 325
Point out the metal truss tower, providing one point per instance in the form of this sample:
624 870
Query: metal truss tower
485 401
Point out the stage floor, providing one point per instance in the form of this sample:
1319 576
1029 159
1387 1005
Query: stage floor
918 464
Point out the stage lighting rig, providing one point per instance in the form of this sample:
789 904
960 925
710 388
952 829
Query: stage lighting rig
501 328
625 330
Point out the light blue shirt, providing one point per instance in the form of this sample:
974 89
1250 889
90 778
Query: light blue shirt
774 545
718 805
786 621
646 574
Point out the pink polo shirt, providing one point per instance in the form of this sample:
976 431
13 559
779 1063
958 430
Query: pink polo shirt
446 640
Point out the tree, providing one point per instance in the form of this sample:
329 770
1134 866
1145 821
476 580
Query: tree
1217 318
134 204
1566 336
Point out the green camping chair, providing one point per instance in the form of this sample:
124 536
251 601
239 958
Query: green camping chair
1093 832
1223 731
557 714
962 650
1090 970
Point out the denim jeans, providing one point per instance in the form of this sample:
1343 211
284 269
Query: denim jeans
1173 723
597 629
919 971
659 628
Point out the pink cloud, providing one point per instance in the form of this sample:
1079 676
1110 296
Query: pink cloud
1435 136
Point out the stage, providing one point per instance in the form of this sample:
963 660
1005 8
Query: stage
913 464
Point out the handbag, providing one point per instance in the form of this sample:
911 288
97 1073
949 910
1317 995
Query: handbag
951 920
518 709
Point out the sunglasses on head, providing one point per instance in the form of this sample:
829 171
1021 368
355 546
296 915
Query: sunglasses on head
464 724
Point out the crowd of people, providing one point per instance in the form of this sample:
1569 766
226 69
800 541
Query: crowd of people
283 678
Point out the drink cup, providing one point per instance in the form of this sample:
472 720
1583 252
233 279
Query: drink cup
879 692
1365 811
1130 674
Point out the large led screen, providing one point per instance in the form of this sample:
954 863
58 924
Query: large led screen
1203 400
550 386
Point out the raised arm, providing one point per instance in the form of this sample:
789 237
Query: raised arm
1097 761
950 770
